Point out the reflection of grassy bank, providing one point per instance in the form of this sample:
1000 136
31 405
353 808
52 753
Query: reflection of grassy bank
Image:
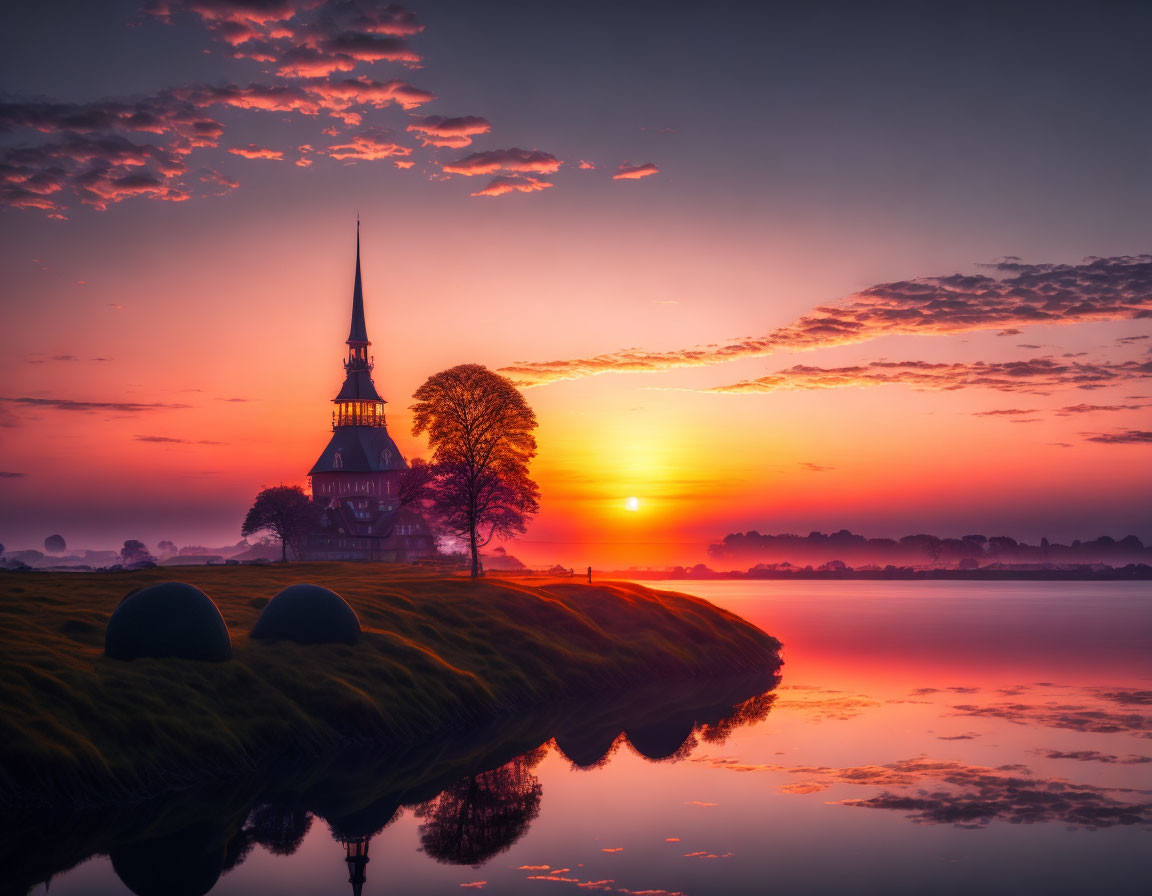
358 791
438 655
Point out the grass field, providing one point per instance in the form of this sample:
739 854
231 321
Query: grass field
438 654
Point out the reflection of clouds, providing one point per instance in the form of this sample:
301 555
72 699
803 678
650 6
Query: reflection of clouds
920 692
1075 717
836 708
977 796
1126 696
1094 756
606 885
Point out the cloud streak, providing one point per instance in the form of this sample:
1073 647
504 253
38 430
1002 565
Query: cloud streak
68 404
1131 437
1037 375
1097 289
166 440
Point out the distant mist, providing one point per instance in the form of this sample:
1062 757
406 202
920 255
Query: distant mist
922 550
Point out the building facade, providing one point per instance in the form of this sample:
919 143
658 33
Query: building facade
357 479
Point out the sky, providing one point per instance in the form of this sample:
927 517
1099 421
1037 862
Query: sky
776 266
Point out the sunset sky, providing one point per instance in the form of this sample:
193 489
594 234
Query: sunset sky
778 266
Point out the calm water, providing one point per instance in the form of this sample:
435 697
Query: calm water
924 738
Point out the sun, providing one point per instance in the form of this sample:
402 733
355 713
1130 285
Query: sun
632 504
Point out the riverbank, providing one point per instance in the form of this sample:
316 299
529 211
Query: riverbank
438 655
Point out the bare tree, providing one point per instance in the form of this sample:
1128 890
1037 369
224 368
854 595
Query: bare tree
480 430
285 511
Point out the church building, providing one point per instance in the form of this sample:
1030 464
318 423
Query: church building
357 478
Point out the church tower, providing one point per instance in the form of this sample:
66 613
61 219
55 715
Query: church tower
357 478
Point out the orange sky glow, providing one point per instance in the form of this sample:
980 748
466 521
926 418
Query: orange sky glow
787 314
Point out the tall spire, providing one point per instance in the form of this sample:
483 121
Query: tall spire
358 333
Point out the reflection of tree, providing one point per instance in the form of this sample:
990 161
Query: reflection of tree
481 816
665 725
589 749
279 828
749 712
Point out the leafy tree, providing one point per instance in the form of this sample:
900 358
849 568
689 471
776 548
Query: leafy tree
480 430
54 544
285 511
134 552
168 547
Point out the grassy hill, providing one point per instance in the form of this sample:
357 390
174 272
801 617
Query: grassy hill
438 654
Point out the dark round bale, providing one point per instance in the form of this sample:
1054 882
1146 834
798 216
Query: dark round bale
308 614
170 619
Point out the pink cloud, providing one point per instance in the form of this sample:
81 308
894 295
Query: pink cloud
628 171
345 92
513 159
304 39
502 184
436 130
252 151
371 144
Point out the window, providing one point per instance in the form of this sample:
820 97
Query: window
338 461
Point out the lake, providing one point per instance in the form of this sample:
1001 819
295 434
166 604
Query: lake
924 737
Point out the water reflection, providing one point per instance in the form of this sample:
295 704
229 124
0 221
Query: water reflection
482 815
475 793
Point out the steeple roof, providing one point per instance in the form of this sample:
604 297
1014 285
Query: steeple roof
359 449
358 332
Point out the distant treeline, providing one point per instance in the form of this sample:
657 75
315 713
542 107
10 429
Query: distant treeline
924 551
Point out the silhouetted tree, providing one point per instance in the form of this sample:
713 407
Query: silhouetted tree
168 547
285 511
480 430
481 816
54 544
135 552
